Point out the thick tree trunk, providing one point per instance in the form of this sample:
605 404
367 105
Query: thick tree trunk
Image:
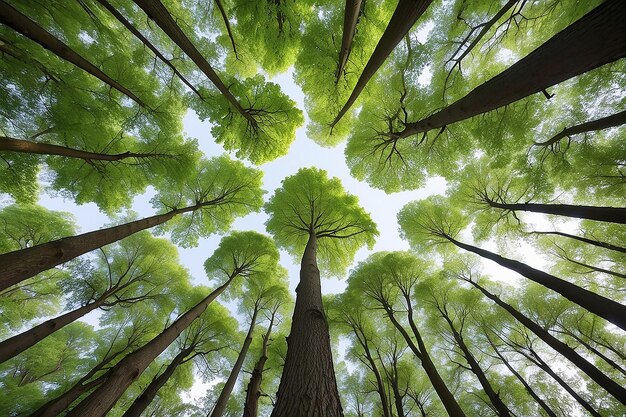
613 120
56 406
146 397
22 24
26 146
596 39
350 20
596 304
599 244
404 17
19 265
592 372
308 386
157 12
253 393
222 400
119 378
603 214
147 43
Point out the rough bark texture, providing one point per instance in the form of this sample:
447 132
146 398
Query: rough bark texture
585 240
308 386
596 39
350 20
613 120
603 214
592 372
594 303
222 401
119 378
404 17
56 406
253 392
22 24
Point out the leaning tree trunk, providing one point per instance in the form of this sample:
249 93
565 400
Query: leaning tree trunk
350 20
129 369
613 120
583 364
404 17
596 304
253 392
157 12
308 386
22 24
596 39
597 243
603 214
222 400
380 388
21 264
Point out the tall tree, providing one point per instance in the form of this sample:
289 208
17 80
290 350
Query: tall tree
350 20
307 209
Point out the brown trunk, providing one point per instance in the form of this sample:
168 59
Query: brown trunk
24 263
592 372
308 386
58 405
397 395
159 14
603 214
220 6
380 387
613 120
596 39
404 17
596 304
350 20
253 393
119 378
22 24
585 240
147 43
146 397
222 401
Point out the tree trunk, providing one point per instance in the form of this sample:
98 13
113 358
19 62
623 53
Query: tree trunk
613 120
147 43
603 214
596 304
222 401
220 6
119 378
397 396
404 17
595 351
159 14
350 20
596 39
591 268
146 397
600 378
585 240
24 263
380 388
308 386
253 393
22 24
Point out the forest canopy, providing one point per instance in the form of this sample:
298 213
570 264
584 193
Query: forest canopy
312 208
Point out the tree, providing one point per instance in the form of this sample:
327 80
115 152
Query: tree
310 207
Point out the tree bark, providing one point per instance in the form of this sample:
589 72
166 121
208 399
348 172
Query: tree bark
404 17
596 39
22 24
146 397
596 304
613 120
222 400
597 243
308 386
24 263
159 14
380 388
148 44
603 214
253 393
119 378
599 377
350 20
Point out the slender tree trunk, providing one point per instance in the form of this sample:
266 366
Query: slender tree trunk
380 388
585 240
397 396
220 6
146 397
596 304
21 264
600 378
308 386
519 377
22 24
56 406
222 401
350 20
501 408
591 267
595 351
404 17
119 378
253 393
596 39
613 120
157 12
603 214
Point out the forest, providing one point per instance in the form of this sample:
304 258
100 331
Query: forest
199 208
